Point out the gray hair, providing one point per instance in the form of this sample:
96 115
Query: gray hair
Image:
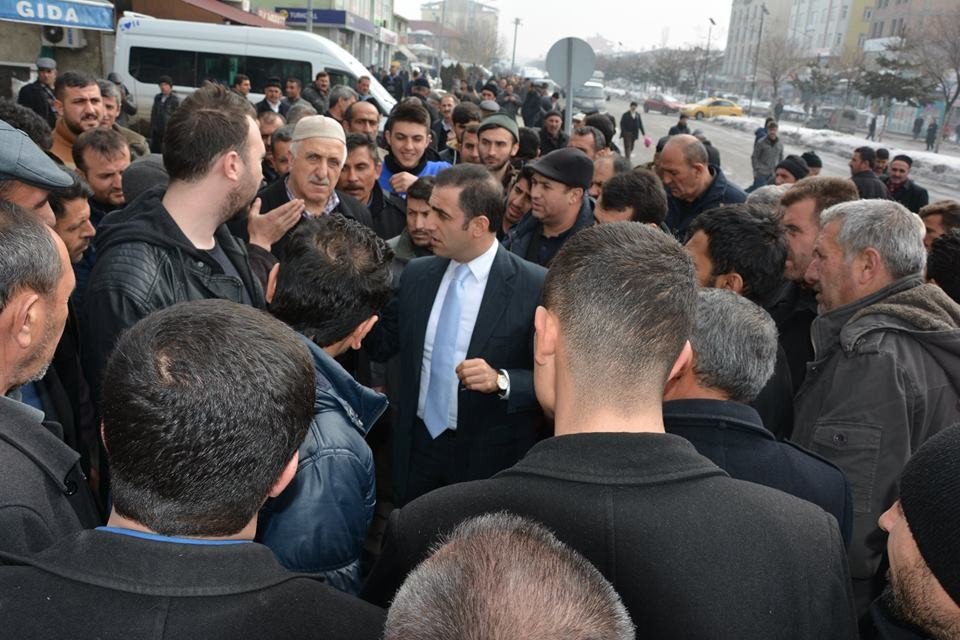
768 197
299 111
341 92
109 90
895 232
30 258
735 344
500 576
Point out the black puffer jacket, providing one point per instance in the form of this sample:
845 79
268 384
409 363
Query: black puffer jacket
146 263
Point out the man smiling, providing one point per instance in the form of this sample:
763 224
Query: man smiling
408 135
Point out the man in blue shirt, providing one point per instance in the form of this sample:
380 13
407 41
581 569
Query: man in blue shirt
408 138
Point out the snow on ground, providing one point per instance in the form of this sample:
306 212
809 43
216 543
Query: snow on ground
927 166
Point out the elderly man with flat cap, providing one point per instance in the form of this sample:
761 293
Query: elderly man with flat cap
38 95
317 155
560 205
28 175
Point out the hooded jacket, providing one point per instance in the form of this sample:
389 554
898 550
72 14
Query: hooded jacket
885 377
146 263
319 523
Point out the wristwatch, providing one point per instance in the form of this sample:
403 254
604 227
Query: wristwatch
503 383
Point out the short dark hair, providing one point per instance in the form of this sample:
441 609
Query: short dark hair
79 190
74 80
105 142
902 157
240 78
165 80
283 134
745 240
943 263
948 210
604 122
823 190
30 258
28 121
209 122
196 429
409 111
357 140
465 113
599 140
422 189
624 326
335 274
321 74
867 154
883 153
481 195
529 144
295 81
639 190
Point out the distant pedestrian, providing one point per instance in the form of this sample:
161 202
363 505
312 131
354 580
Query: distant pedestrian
872 129
767 154
917 127
932 129
38 95
778 109
631 128
164 104
679 128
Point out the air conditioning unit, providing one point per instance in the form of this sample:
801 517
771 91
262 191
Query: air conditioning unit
64 37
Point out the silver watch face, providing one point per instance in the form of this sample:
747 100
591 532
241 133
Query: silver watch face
501 382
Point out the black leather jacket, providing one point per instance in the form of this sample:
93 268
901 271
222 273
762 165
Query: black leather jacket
145 263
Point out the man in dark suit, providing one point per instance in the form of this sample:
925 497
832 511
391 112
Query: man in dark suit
693 553
462 322
708 403
631 128
196 446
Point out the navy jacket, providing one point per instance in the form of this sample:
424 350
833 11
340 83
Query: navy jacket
720 192
529 231
319 523
732 435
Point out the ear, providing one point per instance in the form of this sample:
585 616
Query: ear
678 375
358 334
871 266
27 313
272 283
378 168
576 194
684 361
232 165
547 332
57 106
516 148
286 476
732 281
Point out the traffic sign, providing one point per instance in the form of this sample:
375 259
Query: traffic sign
570 63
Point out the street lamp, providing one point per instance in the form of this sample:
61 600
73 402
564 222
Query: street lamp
706 60
513 60
756 58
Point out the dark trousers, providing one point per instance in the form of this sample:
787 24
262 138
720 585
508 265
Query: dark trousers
432 462
628 141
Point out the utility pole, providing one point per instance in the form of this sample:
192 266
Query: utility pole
309 16
706 60
513 60
756 59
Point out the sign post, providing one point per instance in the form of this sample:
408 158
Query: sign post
570 62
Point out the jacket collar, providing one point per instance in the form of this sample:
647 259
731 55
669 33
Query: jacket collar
161 569
22 427
826 328
621 458
405 250
362 405
709 413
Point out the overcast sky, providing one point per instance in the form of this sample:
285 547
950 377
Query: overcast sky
638 25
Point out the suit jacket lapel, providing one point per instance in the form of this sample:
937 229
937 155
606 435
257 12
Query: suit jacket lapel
496 296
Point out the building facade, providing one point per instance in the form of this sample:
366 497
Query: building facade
744 37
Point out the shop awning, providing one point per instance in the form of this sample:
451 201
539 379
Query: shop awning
237 16
78 14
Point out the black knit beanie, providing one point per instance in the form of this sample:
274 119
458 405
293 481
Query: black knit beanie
795 165
930 497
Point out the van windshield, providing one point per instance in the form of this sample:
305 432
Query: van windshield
592 93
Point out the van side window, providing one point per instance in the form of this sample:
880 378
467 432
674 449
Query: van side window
259 69
147 65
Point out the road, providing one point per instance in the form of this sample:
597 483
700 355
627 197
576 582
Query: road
735 148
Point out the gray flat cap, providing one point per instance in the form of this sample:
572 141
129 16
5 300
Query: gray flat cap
46 63
21 159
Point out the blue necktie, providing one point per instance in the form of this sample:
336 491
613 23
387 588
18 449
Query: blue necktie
443 377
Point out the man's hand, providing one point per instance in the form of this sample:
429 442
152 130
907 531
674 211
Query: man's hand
265 229
477 375
400 182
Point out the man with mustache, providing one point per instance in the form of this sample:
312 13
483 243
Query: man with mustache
318 152
359 180
80 106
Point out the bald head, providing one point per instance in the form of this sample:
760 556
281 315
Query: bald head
684 167
689 147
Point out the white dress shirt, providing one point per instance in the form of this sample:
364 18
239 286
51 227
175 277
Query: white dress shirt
473 288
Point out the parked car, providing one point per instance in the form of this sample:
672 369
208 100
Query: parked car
661 102
710 107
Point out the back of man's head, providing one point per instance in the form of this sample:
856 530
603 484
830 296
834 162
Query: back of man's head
895 232
210 122
746 241
503 577
28 121
334 276
867 154
624 297
767 198
104 142
639 190
943 263
465 113
734 345
204 405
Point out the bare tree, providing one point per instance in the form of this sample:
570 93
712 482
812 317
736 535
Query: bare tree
482 46
668 68
779 56
935 50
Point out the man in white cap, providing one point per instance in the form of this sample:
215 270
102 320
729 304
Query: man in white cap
27 174
38 95
317 155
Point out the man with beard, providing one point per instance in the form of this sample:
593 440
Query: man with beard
358 179
499 143
43 494
921 599
518 201
80 107
176 238
414 240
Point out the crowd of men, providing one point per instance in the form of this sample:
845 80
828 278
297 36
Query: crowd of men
271 370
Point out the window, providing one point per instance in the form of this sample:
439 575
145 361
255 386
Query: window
868 14
147 65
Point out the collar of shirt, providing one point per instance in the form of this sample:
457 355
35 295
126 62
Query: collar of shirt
481 265
332 202
158 538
